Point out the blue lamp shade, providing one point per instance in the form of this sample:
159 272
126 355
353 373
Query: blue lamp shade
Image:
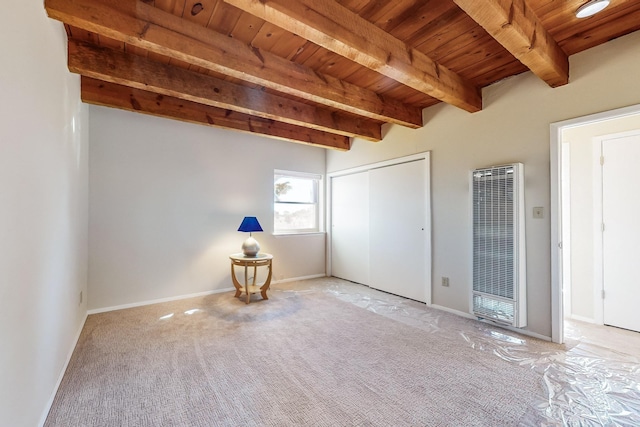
250 223
250 247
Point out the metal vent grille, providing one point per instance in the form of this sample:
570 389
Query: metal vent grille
492 308
493 231
497 244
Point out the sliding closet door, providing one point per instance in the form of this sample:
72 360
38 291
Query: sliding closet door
398 229
350 227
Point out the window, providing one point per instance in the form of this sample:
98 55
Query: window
296 202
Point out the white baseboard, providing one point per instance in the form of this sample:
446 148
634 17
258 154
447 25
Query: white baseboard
518 330
510 328
297 279
451 310
198 294
157 301
47 407
583 319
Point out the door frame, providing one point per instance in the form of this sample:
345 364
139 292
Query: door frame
557 315
426 156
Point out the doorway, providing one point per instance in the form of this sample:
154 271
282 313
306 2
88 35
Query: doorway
577 293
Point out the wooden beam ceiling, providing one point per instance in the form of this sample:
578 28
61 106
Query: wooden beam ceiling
516 27
319 71
336 28
141 73
113 95
150 28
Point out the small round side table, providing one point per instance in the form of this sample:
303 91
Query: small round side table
260 260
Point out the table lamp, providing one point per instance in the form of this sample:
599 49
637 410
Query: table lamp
250 247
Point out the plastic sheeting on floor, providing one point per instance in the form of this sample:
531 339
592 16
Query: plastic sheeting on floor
586 384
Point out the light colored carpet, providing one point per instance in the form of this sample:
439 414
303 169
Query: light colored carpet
300 358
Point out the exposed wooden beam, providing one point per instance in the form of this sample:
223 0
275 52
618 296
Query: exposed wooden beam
141 73
113 95
516 27
147 27
334 27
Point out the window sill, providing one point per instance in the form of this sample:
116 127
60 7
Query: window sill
299 233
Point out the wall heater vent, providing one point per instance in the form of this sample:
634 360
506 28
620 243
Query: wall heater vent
499 259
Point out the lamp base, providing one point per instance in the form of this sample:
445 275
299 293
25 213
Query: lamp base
250 247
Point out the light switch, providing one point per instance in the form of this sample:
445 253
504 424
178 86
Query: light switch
538 212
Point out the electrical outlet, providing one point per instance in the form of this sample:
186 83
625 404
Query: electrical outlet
538 212
445 281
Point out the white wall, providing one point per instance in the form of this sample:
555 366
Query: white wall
582 157
513 126
167 197
43 211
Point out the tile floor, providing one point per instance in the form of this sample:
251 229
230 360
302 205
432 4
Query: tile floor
609 337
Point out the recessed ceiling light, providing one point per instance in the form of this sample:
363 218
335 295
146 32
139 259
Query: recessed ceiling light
591 8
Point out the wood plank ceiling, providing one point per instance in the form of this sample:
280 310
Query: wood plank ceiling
320 72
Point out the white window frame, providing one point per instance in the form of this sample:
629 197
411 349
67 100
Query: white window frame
319 201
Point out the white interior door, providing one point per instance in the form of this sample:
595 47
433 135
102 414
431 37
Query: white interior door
621 236
397 225
350 227
565 253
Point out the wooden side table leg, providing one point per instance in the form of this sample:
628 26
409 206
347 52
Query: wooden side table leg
255 271
267 283
236 284
246 284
